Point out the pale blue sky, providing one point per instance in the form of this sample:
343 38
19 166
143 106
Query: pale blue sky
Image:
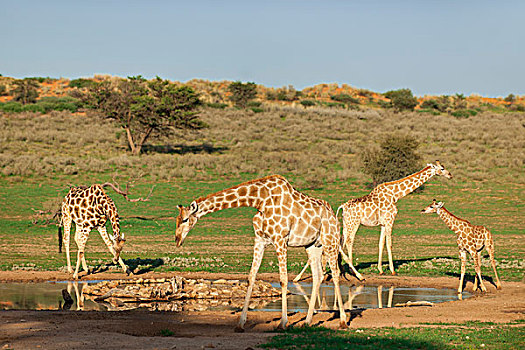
431 47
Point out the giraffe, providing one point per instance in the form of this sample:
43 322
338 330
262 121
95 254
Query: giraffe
471 239
89 208
285 218
378 208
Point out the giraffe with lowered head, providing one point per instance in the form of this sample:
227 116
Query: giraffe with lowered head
471 239
378 208
89 208
285 218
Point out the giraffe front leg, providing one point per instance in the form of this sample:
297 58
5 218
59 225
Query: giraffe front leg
332 260
381 246
283 276
490 248
258 253
349 232
477 266
463 256
388 234
81 235
67 228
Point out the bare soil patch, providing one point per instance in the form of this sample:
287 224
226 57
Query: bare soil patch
215 329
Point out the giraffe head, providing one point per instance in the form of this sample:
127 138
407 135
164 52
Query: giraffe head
440 170
118 244
433 207
185 221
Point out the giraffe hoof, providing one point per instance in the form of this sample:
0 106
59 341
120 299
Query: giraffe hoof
238 329
394 273
343 325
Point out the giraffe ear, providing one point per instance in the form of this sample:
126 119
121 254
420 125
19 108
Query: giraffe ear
193 207
438 163
440 204
180 207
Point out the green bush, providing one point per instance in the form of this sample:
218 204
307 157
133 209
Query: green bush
81 83
257 109
464 113
308 103
242 93
402 99
3 90
253 104
11 107
429 111
26 90
345 98
217 105
59 104
334 104
395 159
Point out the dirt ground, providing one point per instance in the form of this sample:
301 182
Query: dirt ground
215 329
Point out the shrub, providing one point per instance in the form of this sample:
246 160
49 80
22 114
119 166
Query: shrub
395 159
257 109
59 104
11 107
345 98
242 93
3 90
26 90
510 98
253 104
308 103
217 105
464 113
402 99
81 83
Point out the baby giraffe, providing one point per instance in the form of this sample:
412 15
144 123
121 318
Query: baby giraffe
471 239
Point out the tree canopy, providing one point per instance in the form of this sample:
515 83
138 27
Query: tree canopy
145 109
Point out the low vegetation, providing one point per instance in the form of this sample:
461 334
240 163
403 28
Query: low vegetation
473 335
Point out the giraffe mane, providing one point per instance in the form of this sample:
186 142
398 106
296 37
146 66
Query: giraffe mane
406 177
454 216
200 199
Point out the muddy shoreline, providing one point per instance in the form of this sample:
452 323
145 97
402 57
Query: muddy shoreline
215 329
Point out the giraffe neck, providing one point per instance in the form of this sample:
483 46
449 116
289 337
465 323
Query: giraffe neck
112 215
249 194
404 186
449 219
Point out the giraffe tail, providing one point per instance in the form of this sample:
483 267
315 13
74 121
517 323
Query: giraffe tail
60 238
337 212
59 214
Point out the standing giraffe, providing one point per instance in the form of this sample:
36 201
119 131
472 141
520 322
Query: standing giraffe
471 239
89 208
284 218
378 208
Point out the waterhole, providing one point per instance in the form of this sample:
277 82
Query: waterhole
70 296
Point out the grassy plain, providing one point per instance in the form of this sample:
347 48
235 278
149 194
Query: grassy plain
472 335
317 150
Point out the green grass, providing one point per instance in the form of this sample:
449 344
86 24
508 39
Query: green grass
223 241
451 336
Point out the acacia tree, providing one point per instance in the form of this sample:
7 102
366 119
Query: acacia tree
26 90
144 108
242 93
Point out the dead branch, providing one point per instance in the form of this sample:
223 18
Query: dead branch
116 187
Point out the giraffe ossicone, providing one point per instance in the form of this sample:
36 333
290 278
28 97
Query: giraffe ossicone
470 239
285 218
90 208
